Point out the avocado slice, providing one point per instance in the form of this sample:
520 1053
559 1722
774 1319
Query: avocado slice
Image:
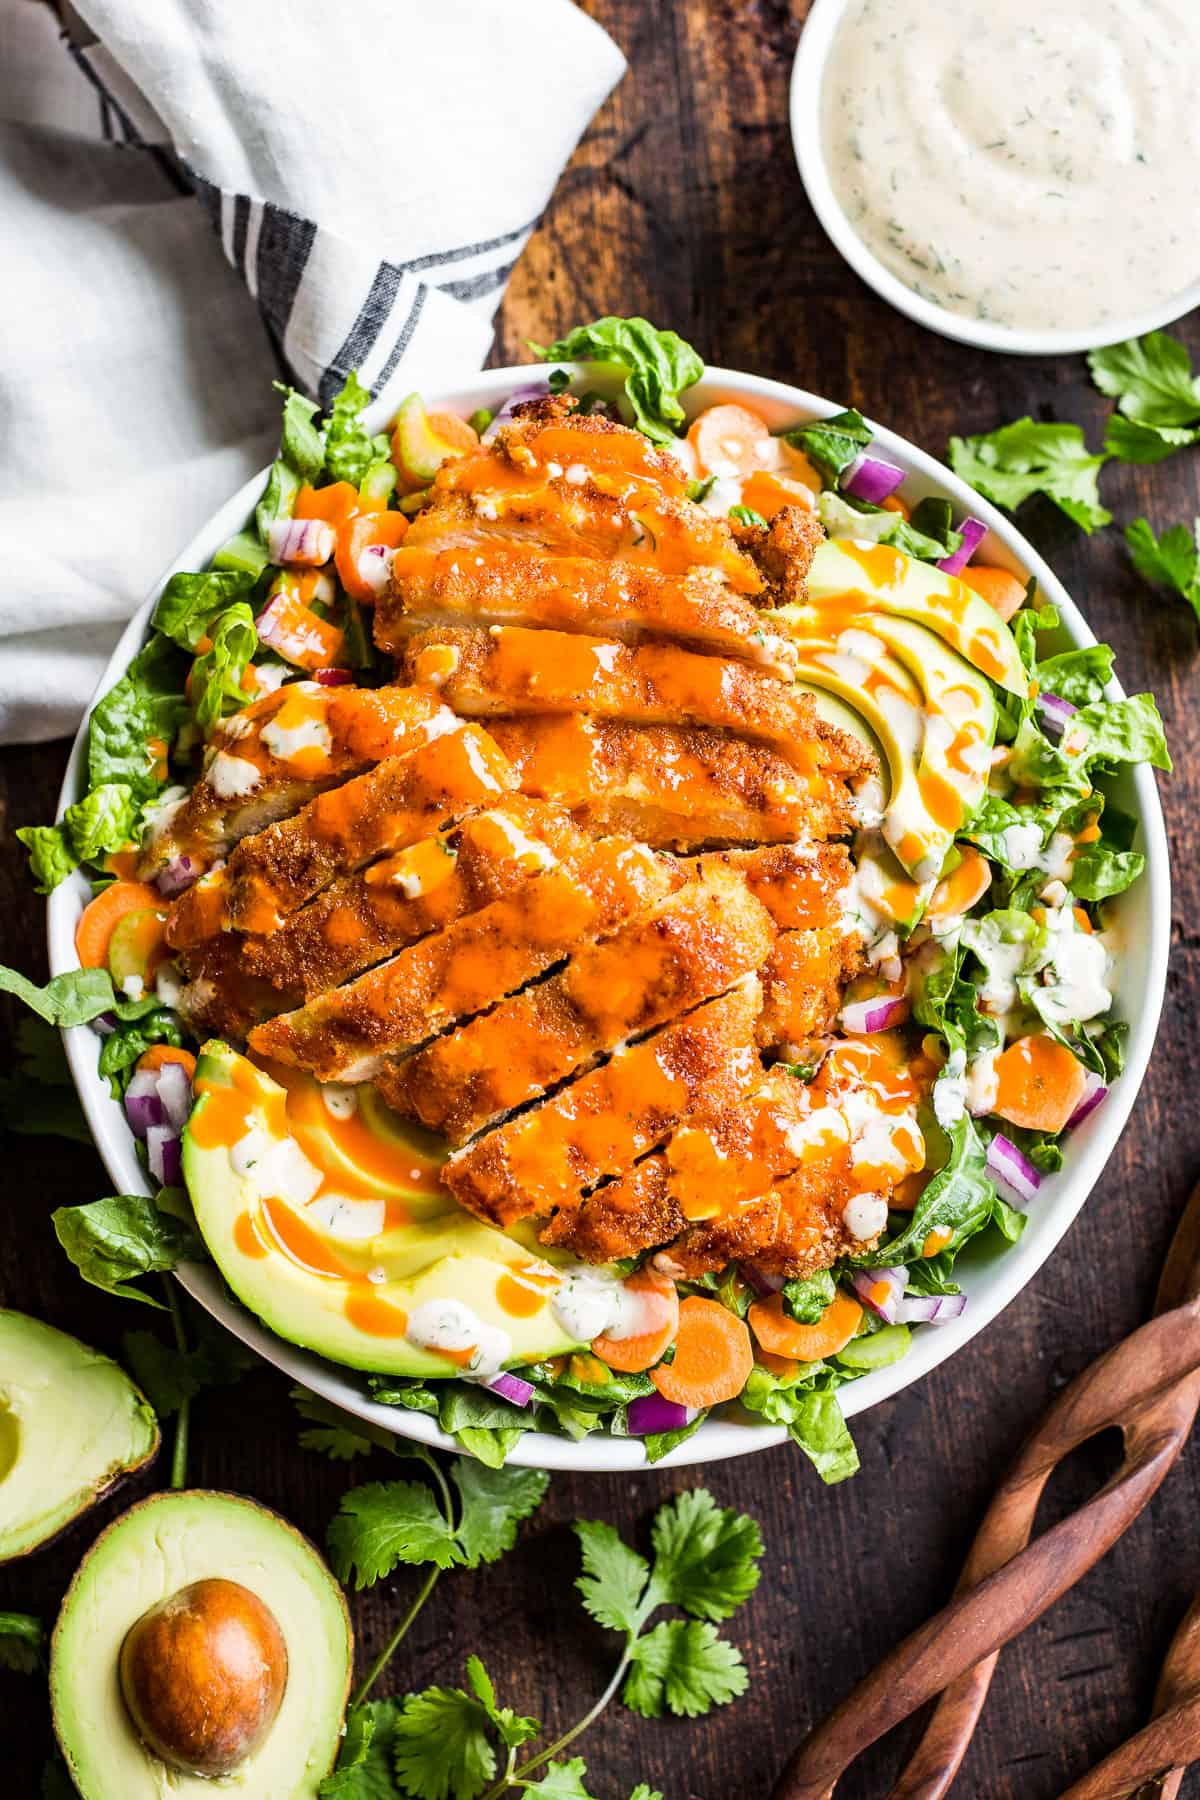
341 1271
148 1555
878 579
71 1425
960 714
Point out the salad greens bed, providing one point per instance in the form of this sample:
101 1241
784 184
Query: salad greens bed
146 735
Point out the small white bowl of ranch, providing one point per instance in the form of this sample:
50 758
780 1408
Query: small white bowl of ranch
1023 175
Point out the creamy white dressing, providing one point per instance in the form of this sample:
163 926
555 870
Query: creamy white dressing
982 1082
276 1168
342 1217
285 741
1077 963
339 1100
449 1325
232 777
950 1091
1028 162
865 1215
590 1303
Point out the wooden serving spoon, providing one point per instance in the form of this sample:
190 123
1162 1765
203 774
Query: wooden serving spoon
1148 1387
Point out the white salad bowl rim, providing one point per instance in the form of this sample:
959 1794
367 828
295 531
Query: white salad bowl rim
808 70
989 1288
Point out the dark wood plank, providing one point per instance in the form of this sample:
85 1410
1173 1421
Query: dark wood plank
683 203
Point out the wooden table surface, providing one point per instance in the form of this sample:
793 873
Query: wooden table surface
683 203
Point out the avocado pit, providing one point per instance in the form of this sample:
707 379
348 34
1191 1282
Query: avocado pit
203 1675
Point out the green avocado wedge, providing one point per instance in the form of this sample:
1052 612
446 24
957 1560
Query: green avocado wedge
336 1278
146 1557
889 582
955 696
72 1424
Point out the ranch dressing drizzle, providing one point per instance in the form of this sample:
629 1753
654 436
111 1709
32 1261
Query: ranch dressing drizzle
1034 163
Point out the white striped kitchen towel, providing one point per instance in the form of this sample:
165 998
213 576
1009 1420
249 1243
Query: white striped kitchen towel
372 173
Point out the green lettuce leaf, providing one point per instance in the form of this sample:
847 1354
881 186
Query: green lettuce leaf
190 603
217 675
1079 676
301 445
660 366
349 451
51 858
960 1199
114 1241
832 444
144 710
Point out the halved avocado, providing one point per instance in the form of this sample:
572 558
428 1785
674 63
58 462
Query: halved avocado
341 1280
71 1425
890 582
151 1553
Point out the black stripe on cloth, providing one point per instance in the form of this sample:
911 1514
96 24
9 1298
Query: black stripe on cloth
285 242
473 287
167 162
241 223
403 339
210 199
375 310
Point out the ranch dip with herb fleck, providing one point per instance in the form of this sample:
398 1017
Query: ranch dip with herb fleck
1034 163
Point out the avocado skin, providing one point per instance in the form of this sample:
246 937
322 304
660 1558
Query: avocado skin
17 1540
150 1514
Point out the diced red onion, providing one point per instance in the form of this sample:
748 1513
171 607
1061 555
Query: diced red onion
104 1023
179 874
334 677
163 1155
884 1306
300 543
536 391
511 1387
143 1103
175 1092
870 479
1012 1169
930 1309
758 1279
1093 1093
1054 712
862 1017
375 566
973 533
652 1413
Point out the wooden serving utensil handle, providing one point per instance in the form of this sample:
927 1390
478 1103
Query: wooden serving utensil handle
1149 1387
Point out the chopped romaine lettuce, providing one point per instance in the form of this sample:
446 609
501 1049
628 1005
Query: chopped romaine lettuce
659 365
132 727
1016 461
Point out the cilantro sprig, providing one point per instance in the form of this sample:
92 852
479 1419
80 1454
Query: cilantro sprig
1157 395
1172 560
460 1743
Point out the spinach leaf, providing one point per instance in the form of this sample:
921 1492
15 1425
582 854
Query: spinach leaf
833 443
960 1199
114 1241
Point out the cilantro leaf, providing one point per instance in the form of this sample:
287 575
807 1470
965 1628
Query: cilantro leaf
1150 378
1016 461
512 1729
659 364
684 1665
170 1377
22 1641
1133 441
561 1781
386 1523
338 1435
494 1501
613 1585
364 1764
441 1747
115 1240
1172 560
705 1556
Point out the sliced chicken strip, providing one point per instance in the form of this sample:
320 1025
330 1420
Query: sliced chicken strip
674 787
348 1034
512 583
362 918
801 885
689 947
395 804
510 669
282 749
599 1125
802 982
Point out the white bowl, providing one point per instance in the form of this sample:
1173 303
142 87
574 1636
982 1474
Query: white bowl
990 1278
808 72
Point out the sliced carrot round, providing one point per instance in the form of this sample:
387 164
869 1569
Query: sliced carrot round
782 1335
359 534
335 504
957 892
660 1304
100 918
767 494
1039 1083
1003 591
158 1054
729 438
713 1356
